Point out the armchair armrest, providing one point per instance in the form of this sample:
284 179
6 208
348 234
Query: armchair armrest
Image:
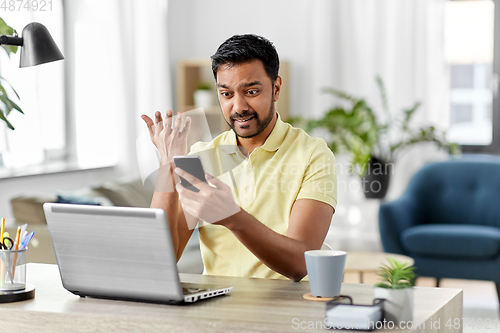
394 218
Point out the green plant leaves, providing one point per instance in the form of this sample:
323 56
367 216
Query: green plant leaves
7 104
353 129
7 30
2 117
396 275
408 114
356 129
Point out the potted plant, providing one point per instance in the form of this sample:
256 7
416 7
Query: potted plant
203 95
6 104
398 280
374 144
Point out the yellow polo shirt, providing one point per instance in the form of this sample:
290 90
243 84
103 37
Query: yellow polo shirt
289 166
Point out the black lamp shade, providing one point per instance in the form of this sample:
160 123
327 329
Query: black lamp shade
38 46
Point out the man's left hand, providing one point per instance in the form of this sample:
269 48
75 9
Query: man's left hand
211 204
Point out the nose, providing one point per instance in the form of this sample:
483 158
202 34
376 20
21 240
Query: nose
240 104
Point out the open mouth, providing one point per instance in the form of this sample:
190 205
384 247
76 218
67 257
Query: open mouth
244 120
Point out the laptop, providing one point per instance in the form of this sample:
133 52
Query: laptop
119 253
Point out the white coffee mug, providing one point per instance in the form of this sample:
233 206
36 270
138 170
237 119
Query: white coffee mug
325 269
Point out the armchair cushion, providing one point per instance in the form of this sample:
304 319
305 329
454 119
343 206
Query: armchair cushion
452 241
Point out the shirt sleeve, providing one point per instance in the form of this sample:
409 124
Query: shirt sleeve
320 177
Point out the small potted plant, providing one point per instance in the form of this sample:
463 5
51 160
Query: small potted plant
203 95
397 289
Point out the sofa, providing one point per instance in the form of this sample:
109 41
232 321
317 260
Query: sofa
448 220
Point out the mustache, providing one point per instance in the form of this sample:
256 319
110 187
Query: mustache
244 115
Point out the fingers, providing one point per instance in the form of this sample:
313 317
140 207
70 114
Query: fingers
163 126
158 123
158 117
168 120
186 194
215 181
178 122
147 120
187 126
150 124
196 182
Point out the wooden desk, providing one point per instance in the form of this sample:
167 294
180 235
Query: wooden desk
254 305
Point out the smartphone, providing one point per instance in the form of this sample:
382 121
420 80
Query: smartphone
192 165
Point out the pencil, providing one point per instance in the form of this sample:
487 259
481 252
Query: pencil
18 235
2 264
3 229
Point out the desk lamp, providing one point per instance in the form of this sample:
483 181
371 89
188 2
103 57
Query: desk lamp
37 47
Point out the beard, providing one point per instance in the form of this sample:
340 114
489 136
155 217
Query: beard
261 123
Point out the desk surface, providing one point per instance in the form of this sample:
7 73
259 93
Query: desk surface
254 305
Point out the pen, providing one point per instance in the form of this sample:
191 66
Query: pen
23 236
23 232
26 240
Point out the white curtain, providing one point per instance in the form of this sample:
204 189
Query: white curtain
402 41
121 72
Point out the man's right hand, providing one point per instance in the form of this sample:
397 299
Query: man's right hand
170 141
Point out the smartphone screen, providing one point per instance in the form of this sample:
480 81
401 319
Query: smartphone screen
192 165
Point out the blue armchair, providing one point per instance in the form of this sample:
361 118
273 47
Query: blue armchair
448 220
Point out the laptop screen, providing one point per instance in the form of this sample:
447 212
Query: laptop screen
117 252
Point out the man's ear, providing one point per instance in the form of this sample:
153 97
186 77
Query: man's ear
277 88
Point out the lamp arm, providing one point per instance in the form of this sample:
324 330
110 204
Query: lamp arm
11 40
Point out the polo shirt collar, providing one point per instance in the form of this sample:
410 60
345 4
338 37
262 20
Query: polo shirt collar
273 141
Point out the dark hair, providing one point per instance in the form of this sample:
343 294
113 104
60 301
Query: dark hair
240 49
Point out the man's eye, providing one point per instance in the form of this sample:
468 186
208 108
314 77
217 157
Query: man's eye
253 92
225 93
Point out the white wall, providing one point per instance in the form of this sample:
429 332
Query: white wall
197 28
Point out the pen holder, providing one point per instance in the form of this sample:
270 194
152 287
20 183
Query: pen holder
12 270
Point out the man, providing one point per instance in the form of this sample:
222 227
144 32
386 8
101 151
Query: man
279 200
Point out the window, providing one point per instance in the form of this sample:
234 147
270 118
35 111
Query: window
469 47
39 135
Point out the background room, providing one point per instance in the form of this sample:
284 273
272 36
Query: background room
77 140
